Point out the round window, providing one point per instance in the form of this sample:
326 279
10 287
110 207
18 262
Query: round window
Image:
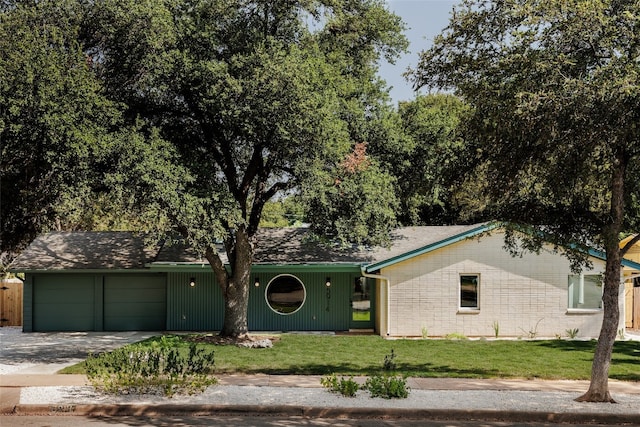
285 294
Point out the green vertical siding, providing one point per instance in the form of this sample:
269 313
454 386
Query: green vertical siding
320 312
201 308
197 308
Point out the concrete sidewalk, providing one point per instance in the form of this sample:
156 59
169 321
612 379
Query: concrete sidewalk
430 398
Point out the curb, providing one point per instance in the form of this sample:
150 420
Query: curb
321 412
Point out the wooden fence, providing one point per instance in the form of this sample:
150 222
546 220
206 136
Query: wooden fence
11 302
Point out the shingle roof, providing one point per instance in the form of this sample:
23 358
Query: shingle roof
297 246
123 250
85 250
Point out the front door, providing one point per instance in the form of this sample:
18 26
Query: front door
362 303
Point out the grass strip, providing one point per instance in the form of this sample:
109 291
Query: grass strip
306 354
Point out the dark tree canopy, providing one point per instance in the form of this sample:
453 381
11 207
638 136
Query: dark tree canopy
56 127
422 149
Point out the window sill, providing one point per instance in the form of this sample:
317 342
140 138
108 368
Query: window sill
468 311
584 310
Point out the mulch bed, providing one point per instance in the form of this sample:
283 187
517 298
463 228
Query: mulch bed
218 340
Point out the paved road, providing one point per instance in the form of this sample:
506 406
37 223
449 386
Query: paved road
241 421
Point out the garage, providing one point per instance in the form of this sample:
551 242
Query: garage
135 302
98 302
91 281
63 302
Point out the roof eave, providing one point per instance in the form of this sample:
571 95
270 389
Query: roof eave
262 267
78 270
431 247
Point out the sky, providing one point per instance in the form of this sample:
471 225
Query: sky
424 20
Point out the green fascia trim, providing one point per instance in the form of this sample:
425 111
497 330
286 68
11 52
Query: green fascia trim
179 267
260 268
312 268
631 264
432 247
83 271
625 262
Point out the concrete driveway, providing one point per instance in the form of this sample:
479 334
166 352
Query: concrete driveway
48 352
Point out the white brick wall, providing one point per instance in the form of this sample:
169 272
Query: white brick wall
521 294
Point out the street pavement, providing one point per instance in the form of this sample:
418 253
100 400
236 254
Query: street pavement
29 385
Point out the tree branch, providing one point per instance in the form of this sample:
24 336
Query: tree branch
262 197
255 166
220 272
629 245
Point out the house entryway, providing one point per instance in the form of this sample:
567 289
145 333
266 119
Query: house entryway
362 304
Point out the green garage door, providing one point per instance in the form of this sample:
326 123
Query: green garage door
63 302
135 302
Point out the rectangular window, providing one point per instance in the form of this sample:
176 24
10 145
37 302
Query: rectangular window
469 287
585 291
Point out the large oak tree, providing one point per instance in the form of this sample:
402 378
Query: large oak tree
554 87
256 97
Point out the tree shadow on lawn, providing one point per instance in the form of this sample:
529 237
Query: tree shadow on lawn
620 348
568 345
629 348
425 370
624 353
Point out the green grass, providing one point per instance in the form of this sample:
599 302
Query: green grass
363 355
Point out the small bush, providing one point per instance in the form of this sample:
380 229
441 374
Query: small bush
161 367
496 328
346 387
456 336
389 363
425 332
387 386
572 333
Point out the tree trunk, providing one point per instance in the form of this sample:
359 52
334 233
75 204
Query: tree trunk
236 302
599 386
234 283
236 292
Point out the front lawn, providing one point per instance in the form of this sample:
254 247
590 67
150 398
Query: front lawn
304 354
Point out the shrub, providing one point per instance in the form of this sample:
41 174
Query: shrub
159 367
387 386
346 387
